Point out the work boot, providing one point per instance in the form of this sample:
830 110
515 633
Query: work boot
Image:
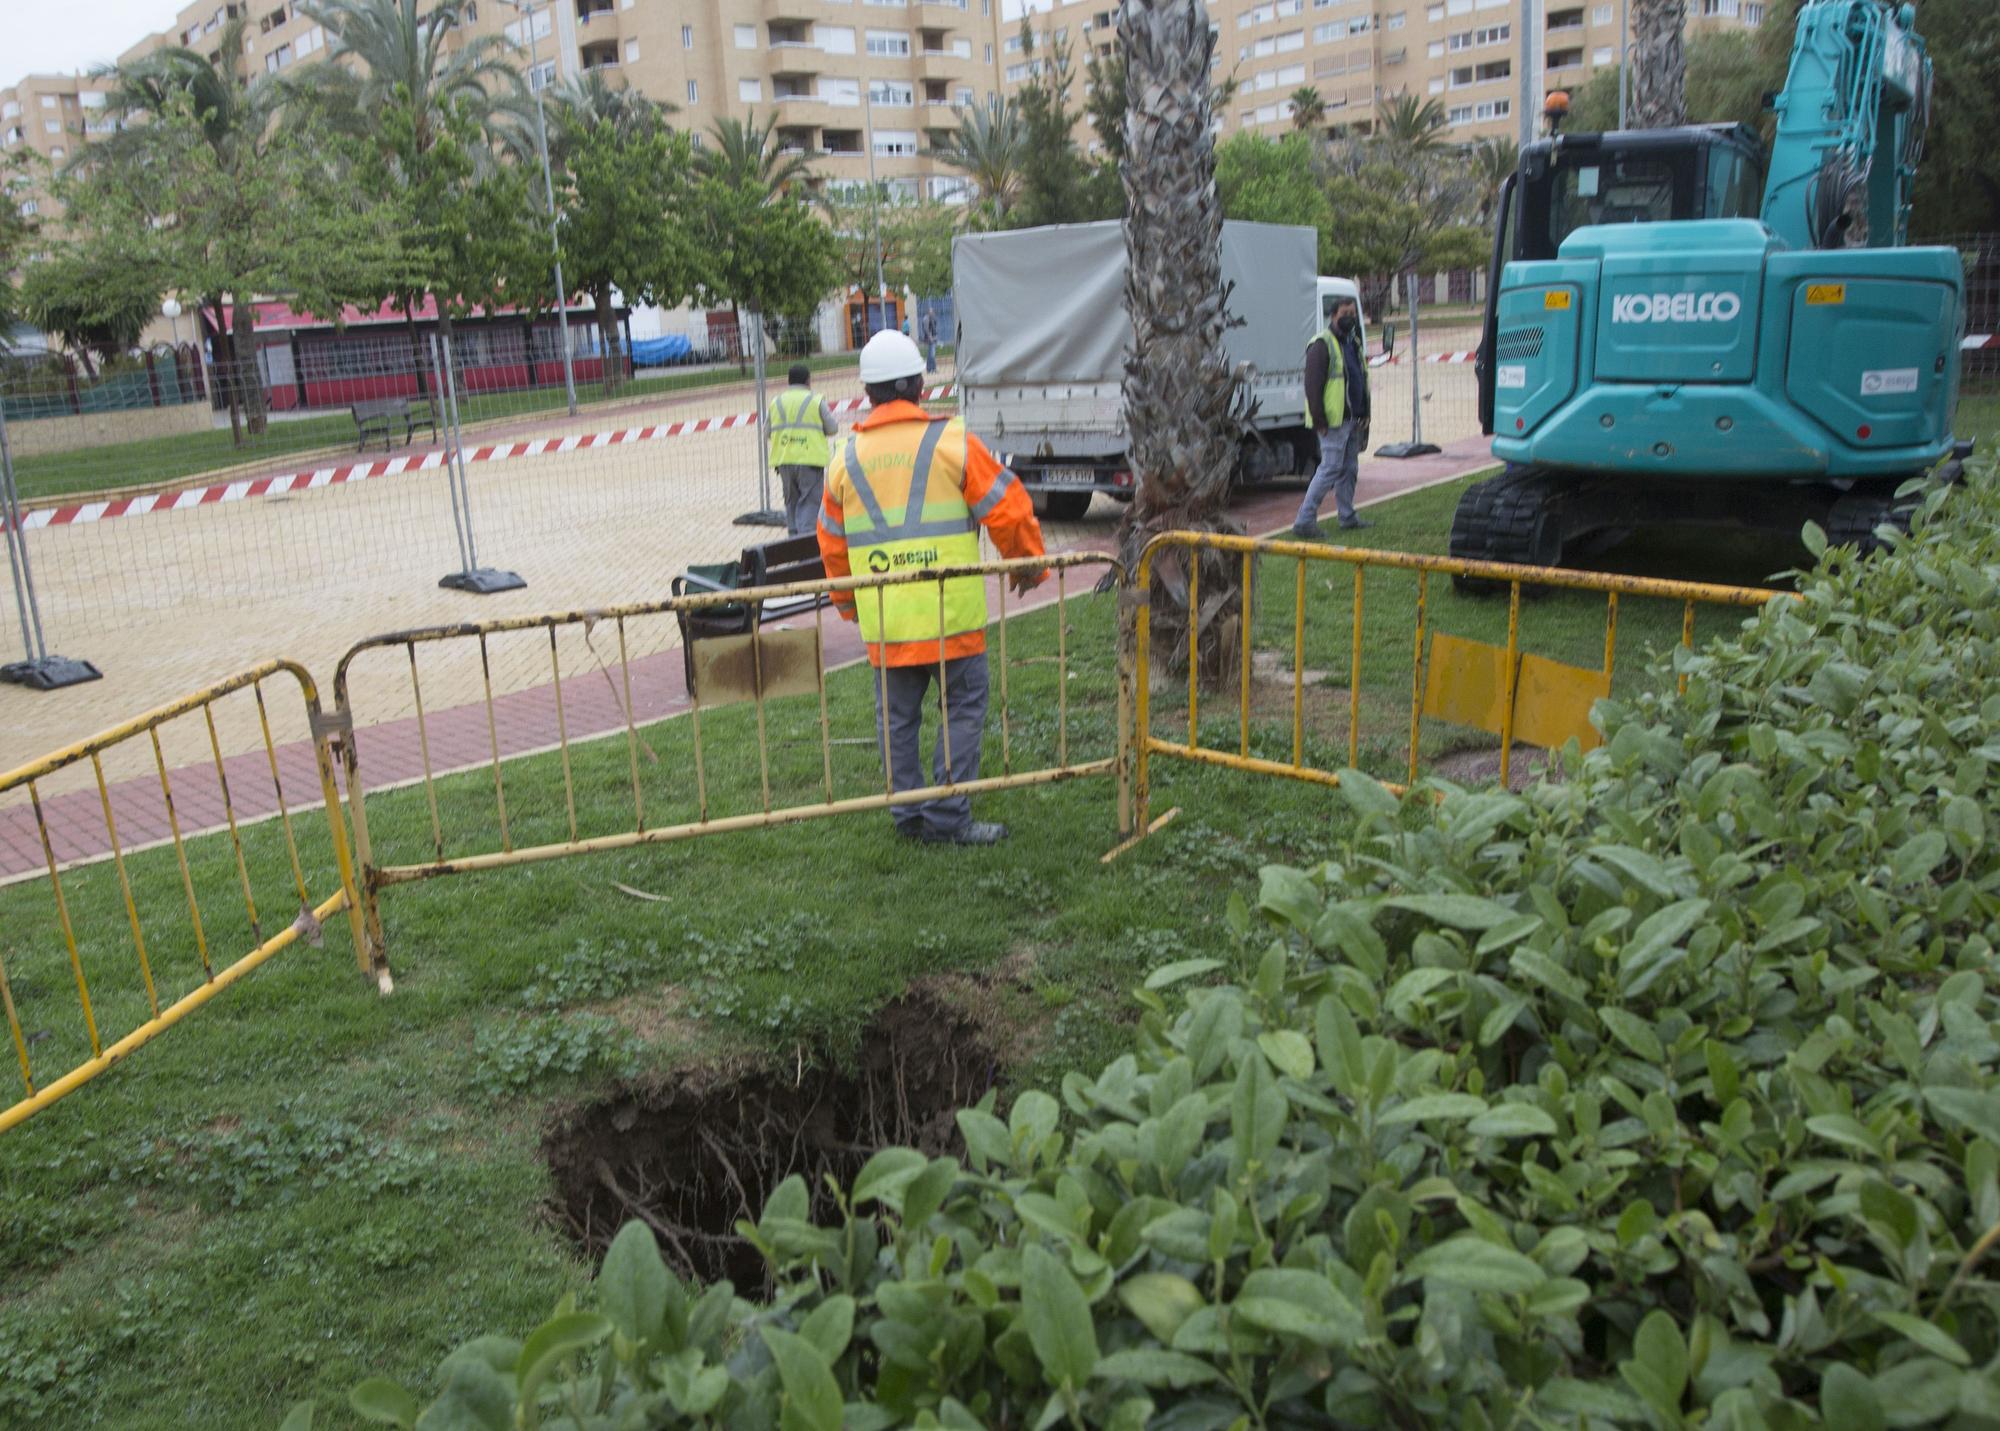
1354 524
1306 534
974 832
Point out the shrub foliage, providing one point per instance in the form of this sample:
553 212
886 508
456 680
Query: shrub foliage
1662 1096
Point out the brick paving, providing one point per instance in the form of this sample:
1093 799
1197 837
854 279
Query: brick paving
524 719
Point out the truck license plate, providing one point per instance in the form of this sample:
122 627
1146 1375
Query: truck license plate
1070 476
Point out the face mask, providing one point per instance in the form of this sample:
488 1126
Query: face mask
1344 324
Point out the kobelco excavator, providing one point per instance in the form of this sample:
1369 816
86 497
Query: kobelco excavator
1679 334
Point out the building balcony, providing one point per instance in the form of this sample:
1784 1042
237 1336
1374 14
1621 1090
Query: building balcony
590 12
1562 20
790 12
600 55
803 61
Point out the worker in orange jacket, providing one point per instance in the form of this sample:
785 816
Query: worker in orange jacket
909 492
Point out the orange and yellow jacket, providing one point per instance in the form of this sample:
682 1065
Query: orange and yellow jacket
867 523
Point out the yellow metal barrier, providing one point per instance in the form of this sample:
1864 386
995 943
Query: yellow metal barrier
1515 695
756 667
312 909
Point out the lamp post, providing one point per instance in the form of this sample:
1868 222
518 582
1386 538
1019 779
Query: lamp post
171 311
1624 57
527 10
875 200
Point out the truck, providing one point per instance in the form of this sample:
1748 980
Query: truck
1684 331
1043 337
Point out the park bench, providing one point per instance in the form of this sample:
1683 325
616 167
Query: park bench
779 563
383 415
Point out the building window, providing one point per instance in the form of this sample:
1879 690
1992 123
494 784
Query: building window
1753 13
687 38
58 155
1437 86
48 101
1479 39
891 94
746 37
1601 15
1601 55
896 142
29 208
631 52
53 126
694 139
834 39
1394 22
694 93
750 91
541 76
989 54
888 42
833 90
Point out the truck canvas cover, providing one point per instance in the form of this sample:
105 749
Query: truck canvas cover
1047 306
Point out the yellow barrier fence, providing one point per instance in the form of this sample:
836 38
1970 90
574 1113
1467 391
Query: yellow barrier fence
1518 696
173 935
763 666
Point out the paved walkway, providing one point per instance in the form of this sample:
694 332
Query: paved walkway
524 720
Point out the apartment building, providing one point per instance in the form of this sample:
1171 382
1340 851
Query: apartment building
52 116
1464 53
843 76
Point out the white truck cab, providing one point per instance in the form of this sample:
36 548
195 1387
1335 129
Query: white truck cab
1331 291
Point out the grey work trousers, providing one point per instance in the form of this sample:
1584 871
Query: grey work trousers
803 486
900 693
1339 469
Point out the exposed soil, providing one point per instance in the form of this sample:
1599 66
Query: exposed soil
694 1158
1482 767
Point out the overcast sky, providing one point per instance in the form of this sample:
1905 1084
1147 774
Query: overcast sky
62 36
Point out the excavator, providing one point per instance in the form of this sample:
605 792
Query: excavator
1682 332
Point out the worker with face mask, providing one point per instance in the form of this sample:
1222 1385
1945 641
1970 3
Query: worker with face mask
909 492
1337 400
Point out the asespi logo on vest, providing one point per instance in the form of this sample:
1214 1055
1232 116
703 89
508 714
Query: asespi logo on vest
880 561
1675 307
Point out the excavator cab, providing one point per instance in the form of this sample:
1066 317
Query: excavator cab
1706 171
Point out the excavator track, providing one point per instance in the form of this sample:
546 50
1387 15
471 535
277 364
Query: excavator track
1511 518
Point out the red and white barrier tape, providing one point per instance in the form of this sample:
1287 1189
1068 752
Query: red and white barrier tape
79 513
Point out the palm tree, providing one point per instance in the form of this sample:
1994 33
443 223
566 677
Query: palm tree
397 58
1659 64
236 117
745 156
1411 126
1308 109
990 147
1492 161
586 100
1179 390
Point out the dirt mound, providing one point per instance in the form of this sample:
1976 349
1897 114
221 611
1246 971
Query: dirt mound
693 1159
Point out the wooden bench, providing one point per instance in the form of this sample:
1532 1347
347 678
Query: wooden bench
383 415
779 563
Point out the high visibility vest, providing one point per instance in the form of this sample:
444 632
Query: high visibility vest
798 430
910 514
1335 397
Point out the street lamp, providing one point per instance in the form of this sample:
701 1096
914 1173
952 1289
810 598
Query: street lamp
527 10
875 201
171 311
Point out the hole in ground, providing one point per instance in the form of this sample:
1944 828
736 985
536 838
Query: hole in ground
694 1159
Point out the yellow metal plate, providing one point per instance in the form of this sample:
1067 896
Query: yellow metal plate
1556 298
1553 701
1466 683
726 667
1818 294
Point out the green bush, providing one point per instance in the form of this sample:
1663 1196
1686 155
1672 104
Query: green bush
1663 1096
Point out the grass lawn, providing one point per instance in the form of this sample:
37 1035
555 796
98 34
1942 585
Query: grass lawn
305 1183
191 454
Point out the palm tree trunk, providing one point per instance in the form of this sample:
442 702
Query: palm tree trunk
1179 391
1659 64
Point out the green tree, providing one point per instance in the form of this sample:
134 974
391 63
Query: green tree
915 238
989 147
1958 183
95 300
1275 182
1308 109
623 194
410 55
168 102
18 170
1492 161
764 252
1058 184
746 156
1728 74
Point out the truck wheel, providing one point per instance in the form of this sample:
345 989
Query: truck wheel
1063 506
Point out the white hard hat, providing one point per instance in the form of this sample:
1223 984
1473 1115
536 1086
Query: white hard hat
890 355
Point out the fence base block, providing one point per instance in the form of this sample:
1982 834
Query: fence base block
50 673
762 517
1408 449
482 581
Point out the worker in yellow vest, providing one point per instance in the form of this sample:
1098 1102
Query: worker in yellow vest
800 425
910 491
1337 403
